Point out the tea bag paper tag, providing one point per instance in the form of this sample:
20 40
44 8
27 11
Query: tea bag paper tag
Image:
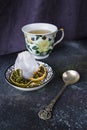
26 62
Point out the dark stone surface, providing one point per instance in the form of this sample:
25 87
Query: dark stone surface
19 109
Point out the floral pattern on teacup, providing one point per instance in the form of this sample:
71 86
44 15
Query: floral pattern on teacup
38 44
44 46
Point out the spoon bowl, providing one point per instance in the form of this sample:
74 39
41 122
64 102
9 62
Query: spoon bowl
70 77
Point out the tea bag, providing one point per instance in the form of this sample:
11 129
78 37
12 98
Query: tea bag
26 62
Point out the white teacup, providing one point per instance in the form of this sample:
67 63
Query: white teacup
40 38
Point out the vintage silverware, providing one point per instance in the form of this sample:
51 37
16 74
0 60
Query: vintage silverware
69 77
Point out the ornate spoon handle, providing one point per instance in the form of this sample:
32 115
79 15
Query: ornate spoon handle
46 112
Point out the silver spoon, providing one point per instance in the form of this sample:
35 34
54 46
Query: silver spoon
69 77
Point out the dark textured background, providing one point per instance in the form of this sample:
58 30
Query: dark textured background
19 109
69 14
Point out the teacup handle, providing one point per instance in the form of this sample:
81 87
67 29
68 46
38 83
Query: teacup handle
62 30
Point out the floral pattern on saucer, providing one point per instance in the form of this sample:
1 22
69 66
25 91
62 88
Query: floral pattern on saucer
44 82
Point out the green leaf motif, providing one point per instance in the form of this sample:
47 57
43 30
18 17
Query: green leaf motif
28 46
38 36
35 47
37 52
41 53
50 39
